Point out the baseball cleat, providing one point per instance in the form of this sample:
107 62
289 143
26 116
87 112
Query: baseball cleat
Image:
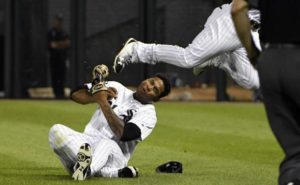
199 69
128 172
84 159
124 56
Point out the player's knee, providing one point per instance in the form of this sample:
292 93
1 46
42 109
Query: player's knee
254 84
55 128
191 59
189 64
56 137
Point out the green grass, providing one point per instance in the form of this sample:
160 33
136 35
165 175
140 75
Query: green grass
218 144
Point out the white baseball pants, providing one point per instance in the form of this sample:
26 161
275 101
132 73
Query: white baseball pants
107 157
217 38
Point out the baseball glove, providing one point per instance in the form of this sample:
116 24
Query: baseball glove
170 167
99 73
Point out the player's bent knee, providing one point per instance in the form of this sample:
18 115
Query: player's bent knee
253 85
191 60
55 128
56 136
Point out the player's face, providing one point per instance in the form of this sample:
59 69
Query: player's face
150 89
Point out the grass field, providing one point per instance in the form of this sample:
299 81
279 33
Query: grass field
218 144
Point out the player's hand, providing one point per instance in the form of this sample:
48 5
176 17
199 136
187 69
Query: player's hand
112 93
97 87
99 73
101 95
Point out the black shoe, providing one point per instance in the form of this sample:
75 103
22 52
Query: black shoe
128 172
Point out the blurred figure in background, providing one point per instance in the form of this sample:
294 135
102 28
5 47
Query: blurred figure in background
1 63
58 45
278 68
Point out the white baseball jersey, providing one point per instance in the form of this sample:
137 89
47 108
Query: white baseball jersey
217 38
108 153
129 110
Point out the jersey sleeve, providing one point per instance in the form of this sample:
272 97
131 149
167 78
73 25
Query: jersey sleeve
145 119
119 87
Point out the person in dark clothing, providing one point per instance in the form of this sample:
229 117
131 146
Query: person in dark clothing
279 73
58 45
1 63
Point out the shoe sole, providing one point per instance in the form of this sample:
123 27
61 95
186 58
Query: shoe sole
83 162
118 55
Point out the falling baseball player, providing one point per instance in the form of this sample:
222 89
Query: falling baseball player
216 45
123 119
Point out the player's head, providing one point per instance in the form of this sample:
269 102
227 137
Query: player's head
58 21
154 88
167 85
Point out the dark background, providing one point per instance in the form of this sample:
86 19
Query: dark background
97 30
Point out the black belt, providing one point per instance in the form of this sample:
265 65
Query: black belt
282 46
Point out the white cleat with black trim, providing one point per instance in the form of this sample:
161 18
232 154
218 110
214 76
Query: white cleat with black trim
84 159
215 62
124 56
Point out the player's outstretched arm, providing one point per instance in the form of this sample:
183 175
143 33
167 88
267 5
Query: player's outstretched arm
81 96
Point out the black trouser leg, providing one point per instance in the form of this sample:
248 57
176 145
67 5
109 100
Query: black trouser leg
279 72
58 72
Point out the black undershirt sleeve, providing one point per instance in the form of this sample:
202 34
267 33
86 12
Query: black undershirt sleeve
131 132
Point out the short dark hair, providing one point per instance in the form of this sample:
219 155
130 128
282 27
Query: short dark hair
167 85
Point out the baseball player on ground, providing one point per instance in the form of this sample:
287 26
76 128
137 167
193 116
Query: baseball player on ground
123 119
216 45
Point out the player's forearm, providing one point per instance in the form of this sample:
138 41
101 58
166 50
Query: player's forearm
115 123
81 96
241 22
